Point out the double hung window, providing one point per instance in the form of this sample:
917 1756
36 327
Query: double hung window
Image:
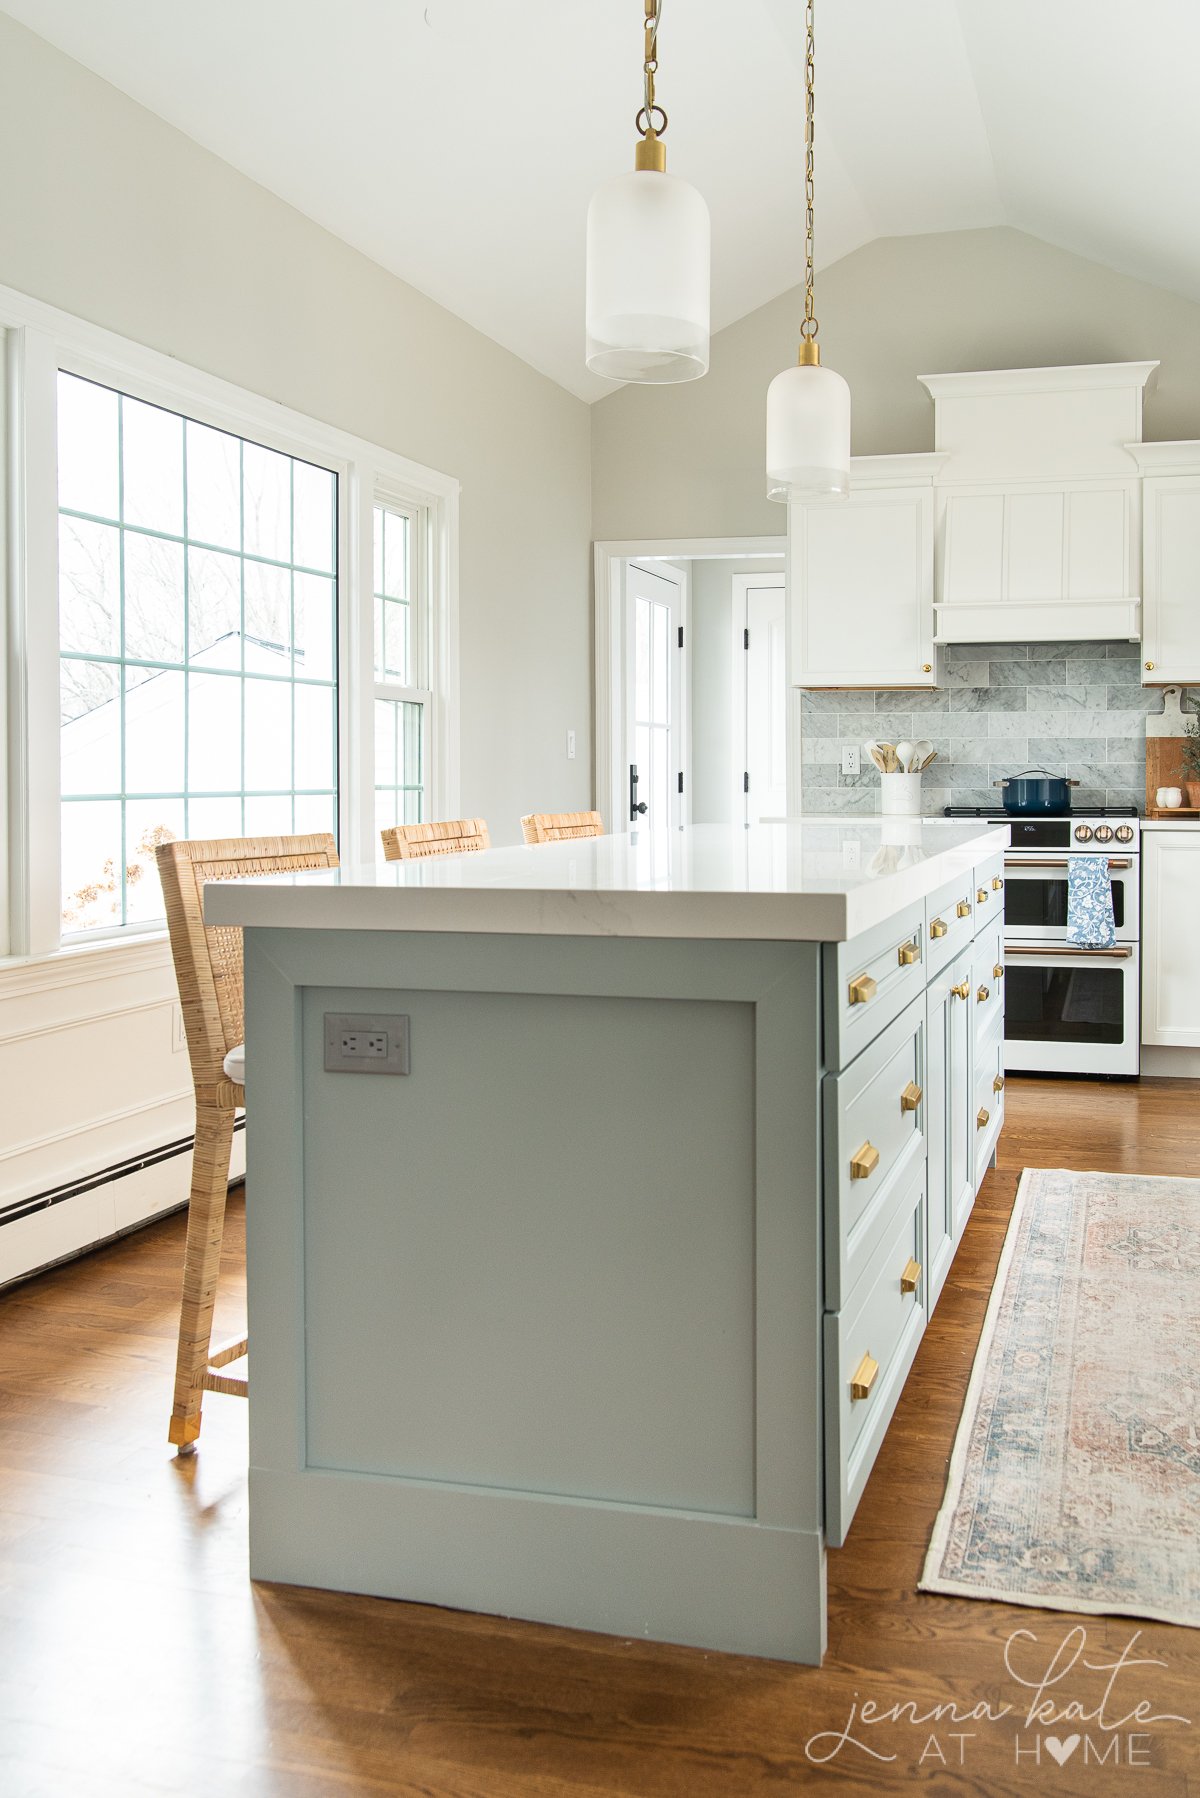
225 619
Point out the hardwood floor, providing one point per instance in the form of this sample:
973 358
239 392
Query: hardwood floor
137 1658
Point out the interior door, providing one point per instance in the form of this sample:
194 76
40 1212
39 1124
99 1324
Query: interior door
760 697
654 697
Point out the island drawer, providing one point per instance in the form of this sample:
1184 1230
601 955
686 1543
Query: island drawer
949 921
869 1348
988 984
874 1128
988 1115
989 892
869 981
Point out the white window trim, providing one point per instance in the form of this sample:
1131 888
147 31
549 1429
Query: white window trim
39 340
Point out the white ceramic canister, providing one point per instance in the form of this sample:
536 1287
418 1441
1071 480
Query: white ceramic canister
1169 799
900 795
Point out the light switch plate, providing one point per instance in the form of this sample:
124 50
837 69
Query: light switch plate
366 1043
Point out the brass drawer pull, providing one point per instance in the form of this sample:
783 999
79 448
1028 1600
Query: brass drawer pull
938 928
982 993
963 908
997 884
998 1084
910 1276
908 953
981 894
862 988
962 990
864 1161
863 1378
998 971
982 1119
911 1097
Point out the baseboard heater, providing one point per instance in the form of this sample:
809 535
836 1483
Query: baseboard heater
120 1170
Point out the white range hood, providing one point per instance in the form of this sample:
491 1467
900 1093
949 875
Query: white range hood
1039 503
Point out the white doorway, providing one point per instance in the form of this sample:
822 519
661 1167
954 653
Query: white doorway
758 713
655 690
699 698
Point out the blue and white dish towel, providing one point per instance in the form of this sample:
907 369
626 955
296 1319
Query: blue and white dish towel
1089 903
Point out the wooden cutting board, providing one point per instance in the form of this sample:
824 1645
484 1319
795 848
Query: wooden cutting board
1164 768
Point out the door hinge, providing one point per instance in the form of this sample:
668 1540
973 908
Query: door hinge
681 780
746 638
681 636
745 783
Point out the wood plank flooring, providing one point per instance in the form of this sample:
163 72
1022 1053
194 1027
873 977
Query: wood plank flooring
137 1658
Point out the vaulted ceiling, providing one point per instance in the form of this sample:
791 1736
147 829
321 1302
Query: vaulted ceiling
456 142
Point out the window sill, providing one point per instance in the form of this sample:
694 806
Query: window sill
79 963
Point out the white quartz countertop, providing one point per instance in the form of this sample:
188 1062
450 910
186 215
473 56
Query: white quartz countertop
808 880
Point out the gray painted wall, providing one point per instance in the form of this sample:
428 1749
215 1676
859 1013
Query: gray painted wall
117 217
688 461
1075 709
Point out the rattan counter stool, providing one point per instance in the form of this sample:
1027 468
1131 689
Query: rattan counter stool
558 827
450 836
208 970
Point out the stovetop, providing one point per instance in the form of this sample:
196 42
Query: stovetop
1077 811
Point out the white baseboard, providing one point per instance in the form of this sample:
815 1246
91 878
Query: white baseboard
70 1226
1162 1064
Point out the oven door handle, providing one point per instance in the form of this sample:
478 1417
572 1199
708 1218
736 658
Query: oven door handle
1060 861
1122 952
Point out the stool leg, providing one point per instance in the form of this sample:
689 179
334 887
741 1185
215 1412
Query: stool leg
201 1267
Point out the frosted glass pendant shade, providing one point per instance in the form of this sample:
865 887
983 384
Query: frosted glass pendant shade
647 279
808 434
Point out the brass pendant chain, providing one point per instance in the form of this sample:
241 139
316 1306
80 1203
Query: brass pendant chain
808 330
649 70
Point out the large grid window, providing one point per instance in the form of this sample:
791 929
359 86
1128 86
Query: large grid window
401 688
198 644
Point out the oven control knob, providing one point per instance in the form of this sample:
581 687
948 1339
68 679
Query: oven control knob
1104 833
1083 833
1124 833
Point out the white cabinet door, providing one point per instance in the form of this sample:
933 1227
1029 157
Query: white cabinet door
1170 938
1171 579
861 575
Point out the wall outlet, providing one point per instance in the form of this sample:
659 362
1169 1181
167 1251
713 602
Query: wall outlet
358 1044
850 763
570 745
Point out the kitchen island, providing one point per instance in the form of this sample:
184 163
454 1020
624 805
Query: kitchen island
593 1304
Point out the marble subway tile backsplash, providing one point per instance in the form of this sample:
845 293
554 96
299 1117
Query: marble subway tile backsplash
1076 709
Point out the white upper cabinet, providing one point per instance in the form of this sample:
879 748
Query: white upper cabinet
1038 531
861 579
1170 562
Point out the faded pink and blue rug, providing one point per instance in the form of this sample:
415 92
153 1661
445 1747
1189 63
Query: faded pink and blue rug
1075 1479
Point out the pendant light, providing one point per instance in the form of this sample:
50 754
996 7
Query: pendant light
647 258
808 407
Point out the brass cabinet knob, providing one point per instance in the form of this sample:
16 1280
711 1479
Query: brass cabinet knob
998 971
862 988
1149 667
981 894
998 1084
963 908
962 990
908 953
997 884
939 927
982 1118
911 1097
863 1378
982 993
926 667
864 1161
910 1276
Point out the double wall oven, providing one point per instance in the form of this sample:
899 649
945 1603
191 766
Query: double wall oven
1070 1010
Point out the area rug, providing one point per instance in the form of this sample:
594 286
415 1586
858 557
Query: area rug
1075 1479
